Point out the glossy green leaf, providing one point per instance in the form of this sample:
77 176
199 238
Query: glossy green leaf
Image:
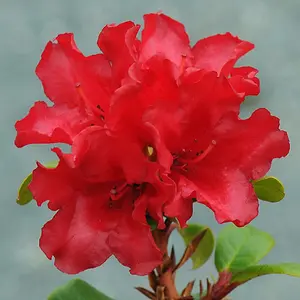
77 289
24 194
249 273
205 247
239 248
269 189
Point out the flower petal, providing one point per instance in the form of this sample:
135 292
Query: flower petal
102 156
120 46
243 151
250 144
76 236
219 52
45 125
63 69
133 245
244 80
181 206
55 184
164 36
228 193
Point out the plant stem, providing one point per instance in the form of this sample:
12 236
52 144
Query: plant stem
165 275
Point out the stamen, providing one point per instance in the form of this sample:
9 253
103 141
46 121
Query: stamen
99 107
85 100
80 92
118 193
201 155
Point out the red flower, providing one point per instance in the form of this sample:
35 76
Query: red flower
80 88
209 152
167 38
153 125
97 219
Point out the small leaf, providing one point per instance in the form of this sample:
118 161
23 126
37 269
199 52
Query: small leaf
148 294
205 247
239 248
249 273
269 189
191 248
77 289
24 194
188 289
153 280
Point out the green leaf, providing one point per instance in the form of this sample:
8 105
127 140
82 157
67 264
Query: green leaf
239 248
249 273
77 289
205 247
24 194
269 189
151 222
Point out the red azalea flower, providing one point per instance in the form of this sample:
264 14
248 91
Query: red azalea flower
162 36
153 124
207 150
97 219
80 88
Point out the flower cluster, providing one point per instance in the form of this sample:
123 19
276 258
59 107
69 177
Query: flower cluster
154 126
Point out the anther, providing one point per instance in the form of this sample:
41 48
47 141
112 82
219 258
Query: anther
99 107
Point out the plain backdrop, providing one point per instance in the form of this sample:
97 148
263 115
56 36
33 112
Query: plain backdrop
26 26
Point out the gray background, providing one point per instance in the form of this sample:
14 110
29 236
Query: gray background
26 26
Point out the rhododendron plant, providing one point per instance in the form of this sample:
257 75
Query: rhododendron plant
154 128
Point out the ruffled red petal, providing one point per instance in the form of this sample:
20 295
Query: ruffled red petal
120 46
69 77
243 151
219 52
165 37
133 245
244 80
55 184
75 236
45 125
101 157
181 206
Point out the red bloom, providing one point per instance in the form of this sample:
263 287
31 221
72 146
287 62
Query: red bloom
153 125
79 87
98 219
209 152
